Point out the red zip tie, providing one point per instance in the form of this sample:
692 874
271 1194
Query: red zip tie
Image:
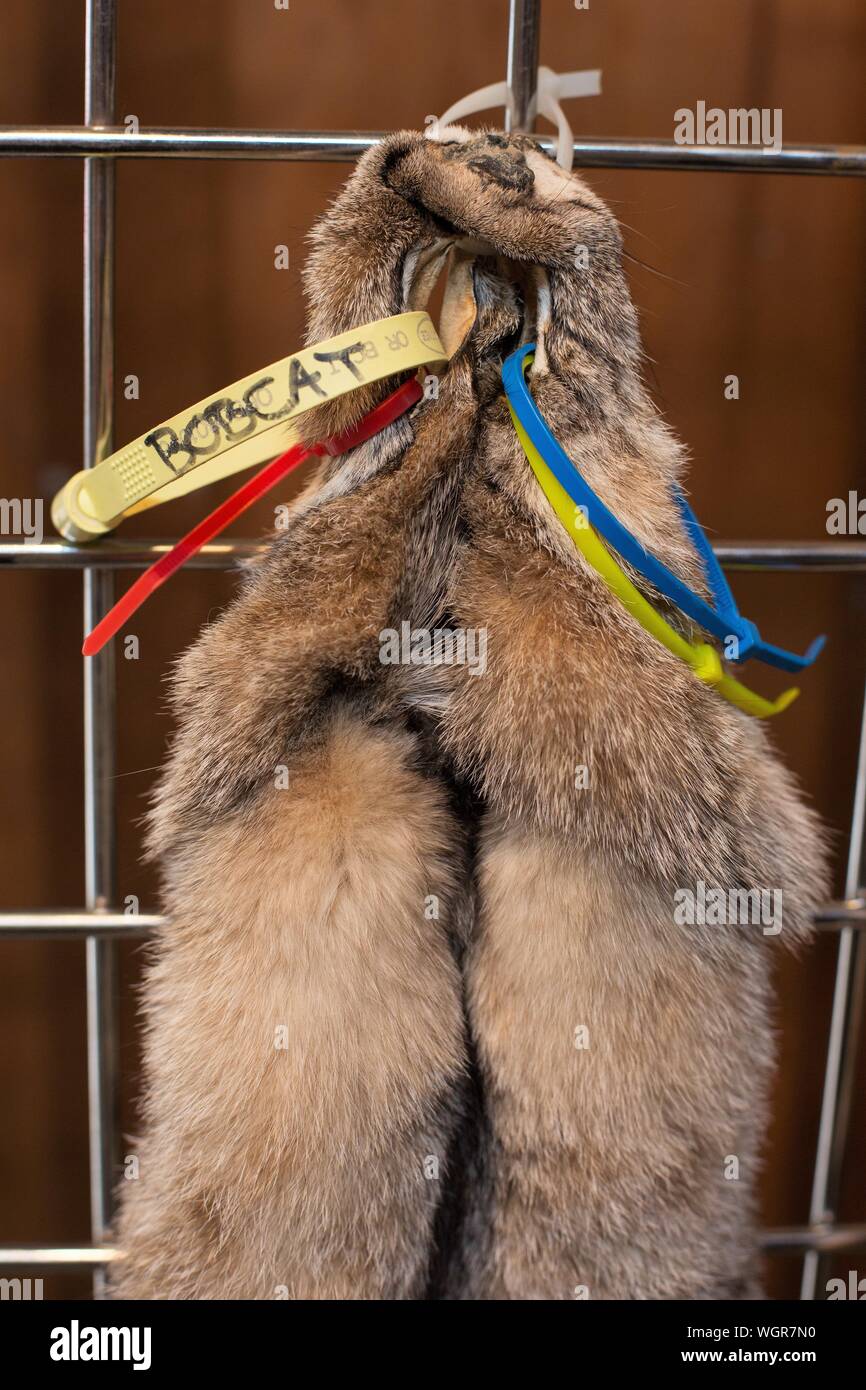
167 565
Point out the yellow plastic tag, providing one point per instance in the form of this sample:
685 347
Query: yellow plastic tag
247 423
703 659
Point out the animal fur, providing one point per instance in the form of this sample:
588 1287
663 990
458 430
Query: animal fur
390 908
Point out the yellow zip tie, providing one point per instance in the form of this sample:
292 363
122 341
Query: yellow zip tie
247 423
703 659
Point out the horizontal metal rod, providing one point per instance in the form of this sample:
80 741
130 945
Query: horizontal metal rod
836 915
122 554
57 1256
830 556
799 1240
342 146
58 925
834 556
791 1240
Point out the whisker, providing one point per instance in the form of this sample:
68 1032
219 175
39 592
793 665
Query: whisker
662 274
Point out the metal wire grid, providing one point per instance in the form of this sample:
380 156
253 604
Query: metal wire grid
98 142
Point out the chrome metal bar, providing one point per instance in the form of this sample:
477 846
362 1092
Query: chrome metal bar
731 159
781 1240
60 926
57 1256
116 142
119 553
845 1024
342 147
834 916
838 915
799 1240
99 685
792 555
524 24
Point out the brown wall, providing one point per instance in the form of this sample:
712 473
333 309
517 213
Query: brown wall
759 276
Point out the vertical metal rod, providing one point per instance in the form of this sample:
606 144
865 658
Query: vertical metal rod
99 688
524 23
845 1022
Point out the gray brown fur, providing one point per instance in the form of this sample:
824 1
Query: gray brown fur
414 1038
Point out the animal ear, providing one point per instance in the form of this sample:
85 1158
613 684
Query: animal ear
372 255
459 309
369 247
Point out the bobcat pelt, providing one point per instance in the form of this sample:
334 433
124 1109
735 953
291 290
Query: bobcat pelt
422 1023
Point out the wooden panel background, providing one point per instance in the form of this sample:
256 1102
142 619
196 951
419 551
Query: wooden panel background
761 276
